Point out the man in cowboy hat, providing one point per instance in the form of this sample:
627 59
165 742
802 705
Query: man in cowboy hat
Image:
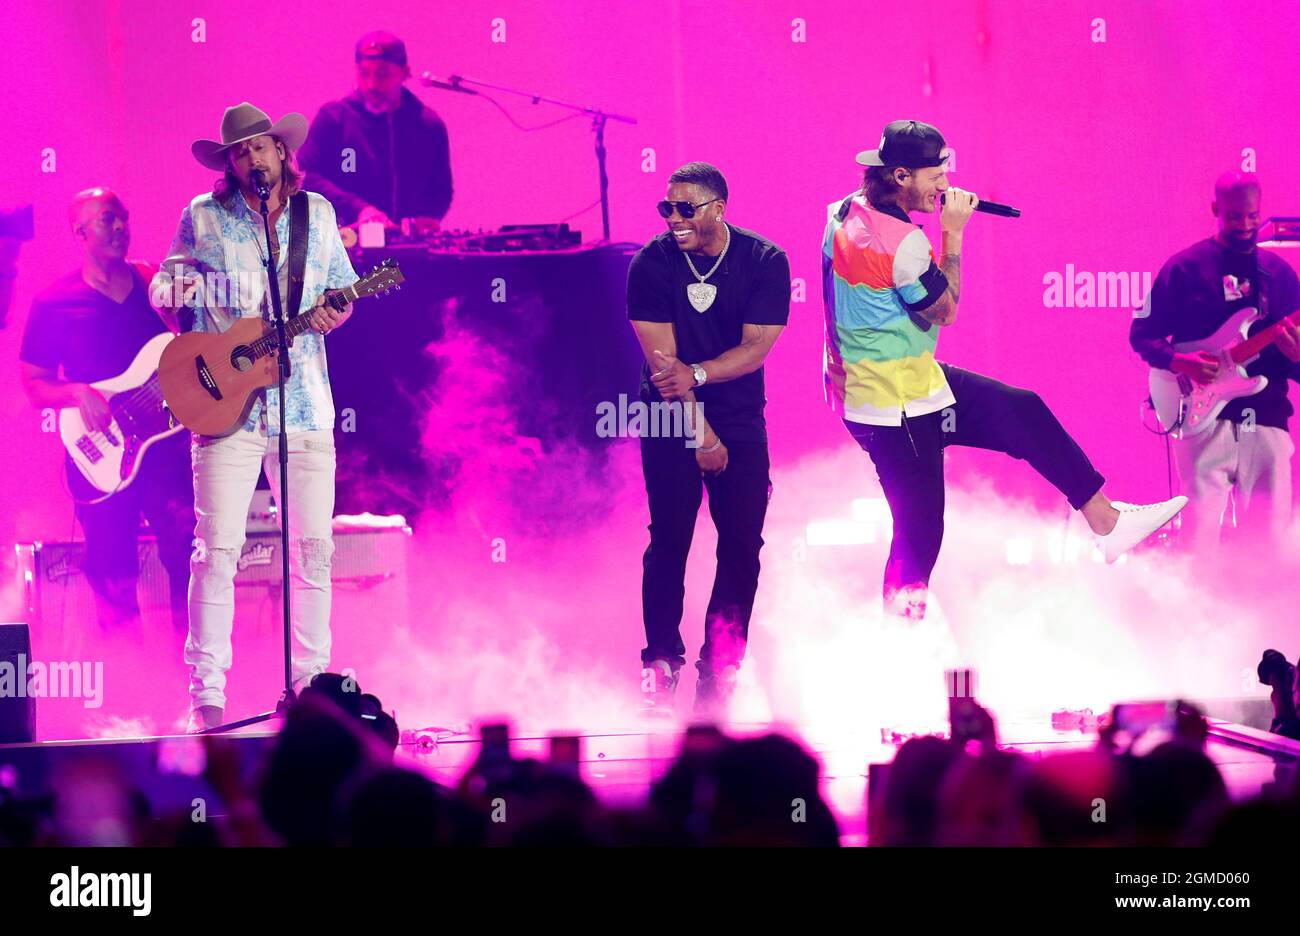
220 240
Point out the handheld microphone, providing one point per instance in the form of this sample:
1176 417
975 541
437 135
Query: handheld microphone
260 184
430 80
992 207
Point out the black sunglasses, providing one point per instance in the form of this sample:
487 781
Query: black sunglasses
685 209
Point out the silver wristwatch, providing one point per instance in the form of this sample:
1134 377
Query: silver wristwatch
700 375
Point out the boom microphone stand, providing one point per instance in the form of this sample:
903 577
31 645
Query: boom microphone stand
288 697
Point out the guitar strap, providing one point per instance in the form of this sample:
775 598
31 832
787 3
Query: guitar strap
298 214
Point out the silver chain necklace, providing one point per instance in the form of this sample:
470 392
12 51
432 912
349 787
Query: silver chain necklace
702 294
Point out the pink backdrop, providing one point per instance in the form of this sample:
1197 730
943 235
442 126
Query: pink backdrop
1110 148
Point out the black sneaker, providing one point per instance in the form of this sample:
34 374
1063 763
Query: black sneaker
658 686
713 692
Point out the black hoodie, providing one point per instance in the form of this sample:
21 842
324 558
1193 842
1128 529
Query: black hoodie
402 164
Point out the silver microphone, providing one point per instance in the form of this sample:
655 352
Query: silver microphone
430 80
260 184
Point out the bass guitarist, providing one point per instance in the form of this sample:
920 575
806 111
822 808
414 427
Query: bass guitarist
1246 454
88 327
221 237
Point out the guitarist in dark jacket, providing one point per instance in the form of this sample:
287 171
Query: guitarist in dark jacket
1247 453
88 327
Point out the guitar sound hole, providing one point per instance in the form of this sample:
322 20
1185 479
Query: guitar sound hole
241 358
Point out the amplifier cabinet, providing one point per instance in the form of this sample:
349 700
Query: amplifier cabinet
55 590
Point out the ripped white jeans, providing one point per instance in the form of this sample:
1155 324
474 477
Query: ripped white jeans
225 475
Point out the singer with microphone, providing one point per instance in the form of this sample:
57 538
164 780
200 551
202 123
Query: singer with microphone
221 237
886 297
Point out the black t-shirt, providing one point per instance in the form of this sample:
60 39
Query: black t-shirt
753 288
1193 296
76 328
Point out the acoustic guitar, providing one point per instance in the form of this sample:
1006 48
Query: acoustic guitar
210 381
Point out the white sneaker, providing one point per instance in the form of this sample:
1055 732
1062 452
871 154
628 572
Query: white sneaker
1136 522
203 717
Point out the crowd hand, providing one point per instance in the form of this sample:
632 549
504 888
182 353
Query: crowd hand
958 206
1201 366
1288 339
325 318
712 463
371 213
674 379
94 410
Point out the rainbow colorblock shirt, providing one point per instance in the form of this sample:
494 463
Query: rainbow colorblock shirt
878 272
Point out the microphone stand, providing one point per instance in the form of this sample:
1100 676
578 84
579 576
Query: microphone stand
598 120
287 697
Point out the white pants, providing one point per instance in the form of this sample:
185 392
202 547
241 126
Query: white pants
1251 467
225 475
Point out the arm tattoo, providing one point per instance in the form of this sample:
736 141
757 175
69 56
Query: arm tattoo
951 267
944 312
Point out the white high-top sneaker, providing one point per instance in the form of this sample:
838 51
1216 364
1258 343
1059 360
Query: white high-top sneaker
1136 522
204 717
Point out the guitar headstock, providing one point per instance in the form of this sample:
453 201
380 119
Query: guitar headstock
382 278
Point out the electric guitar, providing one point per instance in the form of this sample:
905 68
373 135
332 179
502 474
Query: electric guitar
210 381
1177 396
111 459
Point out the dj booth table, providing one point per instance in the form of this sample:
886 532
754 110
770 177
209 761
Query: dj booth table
547 330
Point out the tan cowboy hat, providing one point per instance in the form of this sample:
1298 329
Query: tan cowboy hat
243 122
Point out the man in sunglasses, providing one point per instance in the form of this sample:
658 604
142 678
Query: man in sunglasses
708 301
886 299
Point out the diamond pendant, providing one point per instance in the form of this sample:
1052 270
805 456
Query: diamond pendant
701 295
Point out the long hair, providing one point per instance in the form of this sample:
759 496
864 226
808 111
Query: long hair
226 188
879 185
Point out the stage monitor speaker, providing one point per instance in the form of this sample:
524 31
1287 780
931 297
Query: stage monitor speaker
56 592
17 708
369 574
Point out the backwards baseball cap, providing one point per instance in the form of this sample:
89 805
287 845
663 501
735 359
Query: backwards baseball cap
907 143
381 45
